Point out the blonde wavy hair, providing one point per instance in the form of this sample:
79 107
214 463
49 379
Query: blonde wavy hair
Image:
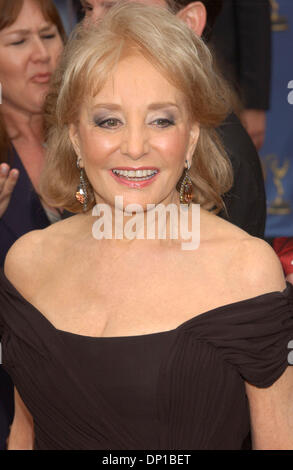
183 58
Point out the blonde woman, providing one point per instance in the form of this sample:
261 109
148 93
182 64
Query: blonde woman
137 343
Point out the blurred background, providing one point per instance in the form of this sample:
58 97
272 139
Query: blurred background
277 151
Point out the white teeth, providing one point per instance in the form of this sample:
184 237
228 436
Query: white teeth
135 173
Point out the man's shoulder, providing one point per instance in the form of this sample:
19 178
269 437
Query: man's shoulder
237 141
246 208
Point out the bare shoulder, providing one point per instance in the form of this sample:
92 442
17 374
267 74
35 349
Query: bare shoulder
262 270
251 262
33 256
22 254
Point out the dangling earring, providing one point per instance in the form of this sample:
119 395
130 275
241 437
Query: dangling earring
81 191
186 187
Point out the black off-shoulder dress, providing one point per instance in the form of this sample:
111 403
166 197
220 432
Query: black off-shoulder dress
178 389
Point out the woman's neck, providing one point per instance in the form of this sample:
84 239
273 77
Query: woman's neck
22 125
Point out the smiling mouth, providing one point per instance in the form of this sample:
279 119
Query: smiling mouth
135 175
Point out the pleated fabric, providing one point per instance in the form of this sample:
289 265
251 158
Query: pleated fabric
178 389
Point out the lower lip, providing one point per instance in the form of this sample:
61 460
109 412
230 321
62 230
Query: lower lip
133 184
41 79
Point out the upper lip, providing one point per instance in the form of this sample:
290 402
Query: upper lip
134 169
47 74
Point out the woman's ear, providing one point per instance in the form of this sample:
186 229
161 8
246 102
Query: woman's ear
74 138
195 16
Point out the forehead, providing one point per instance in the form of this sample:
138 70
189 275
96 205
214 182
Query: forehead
30 15
135 78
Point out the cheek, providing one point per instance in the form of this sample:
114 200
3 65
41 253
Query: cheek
56 51
172 147
11 67
12 77
98 147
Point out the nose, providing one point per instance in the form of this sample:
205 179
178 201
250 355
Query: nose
135 142
40 52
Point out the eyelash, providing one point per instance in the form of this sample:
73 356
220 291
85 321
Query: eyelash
22 41
105 121
167 122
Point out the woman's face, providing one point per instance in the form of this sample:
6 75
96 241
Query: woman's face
29 51
138 121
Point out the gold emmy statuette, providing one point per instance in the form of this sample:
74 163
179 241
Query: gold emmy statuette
279 23
278 206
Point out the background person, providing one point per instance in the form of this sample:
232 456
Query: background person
242 41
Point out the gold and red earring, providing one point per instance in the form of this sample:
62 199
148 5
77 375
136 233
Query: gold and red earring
81 192
186 187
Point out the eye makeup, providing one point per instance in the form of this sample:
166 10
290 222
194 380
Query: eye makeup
158 115
162 119
108 123
100 120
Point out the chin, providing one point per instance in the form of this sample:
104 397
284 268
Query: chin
122 204
143 205
39 101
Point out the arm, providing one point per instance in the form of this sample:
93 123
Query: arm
271 414
20 263
271 408
21 435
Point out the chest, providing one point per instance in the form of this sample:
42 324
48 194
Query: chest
131 297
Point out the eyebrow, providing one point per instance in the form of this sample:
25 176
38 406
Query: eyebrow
151 107
28 31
